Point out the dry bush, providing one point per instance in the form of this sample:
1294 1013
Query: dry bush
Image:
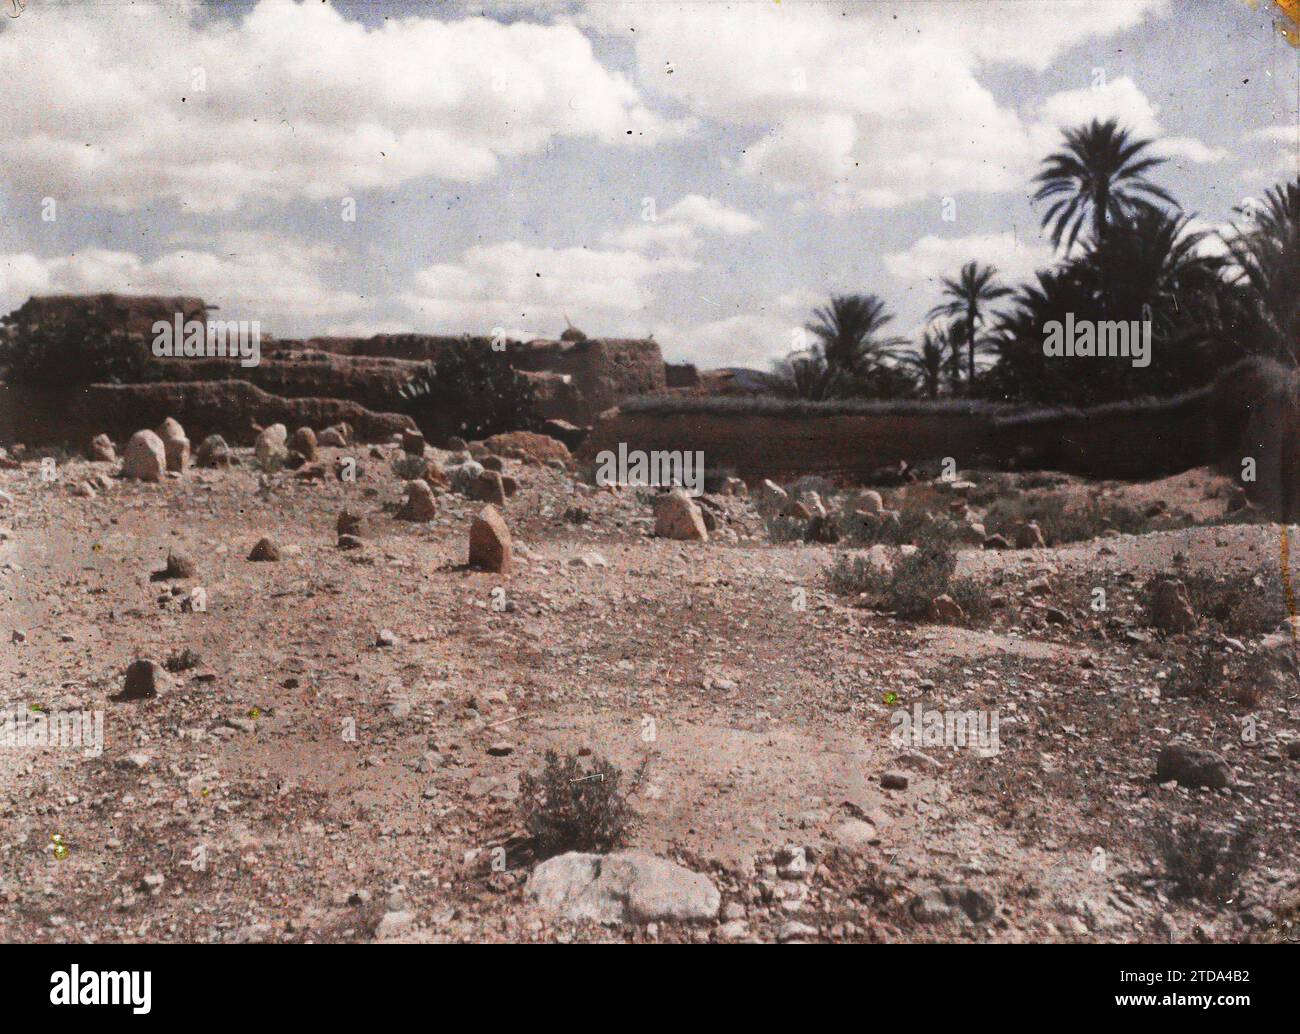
1063 520
1202 863
1245 604
410 468
782 528
913 583
577 804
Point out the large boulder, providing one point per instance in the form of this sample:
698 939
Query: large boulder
677 517
1189 765
145 458
629 886
490 547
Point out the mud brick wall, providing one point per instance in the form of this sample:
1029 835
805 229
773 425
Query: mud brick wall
228 408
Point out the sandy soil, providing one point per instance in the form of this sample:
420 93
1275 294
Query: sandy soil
236 806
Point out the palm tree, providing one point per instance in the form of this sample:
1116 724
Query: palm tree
966 297
848 334
1099 173
1267 257
932 361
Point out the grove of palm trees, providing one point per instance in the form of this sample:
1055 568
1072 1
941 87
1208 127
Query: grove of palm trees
1125 251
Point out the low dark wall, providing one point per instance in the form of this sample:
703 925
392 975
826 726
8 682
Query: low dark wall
228 408
1122 441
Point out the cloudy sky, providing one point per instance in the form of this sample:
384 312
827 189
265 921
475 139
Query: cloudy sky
706 172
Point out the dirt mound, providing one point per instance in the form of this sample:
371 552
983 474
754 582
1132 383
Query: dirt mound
529 447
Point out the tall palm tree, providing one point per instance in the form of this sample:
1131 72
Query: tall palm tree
1098 174
966 298
1267 257
848 334
932 361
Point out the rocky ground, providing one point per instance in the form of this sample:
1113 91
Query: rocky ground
338 755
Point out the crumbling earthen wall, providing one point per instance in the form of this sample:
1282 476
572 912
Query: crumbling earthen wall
228 408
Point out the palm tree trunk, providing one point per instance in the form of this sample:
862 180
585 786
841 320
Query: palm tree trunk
970 350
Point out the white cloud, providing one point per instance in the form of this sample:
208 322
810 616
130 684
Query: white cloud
864 105
676 230
1285 161
250 277
296 102
932 257
514 285
1123 100
742 340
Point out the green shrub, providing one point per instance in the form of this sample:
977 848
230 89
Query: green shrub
67 347
470 391
577 804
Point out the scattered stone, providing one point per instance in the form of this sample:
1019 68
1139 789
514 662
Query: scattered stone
331 438
501 749
420 504
348 523
394 924
1189 765
265 550
385 638
996 542
145 458
170 429
628 886
490 547
736 487
178 566
1030 536
413 443
942 903
793 930
143 681
350 542
496 463
102 450
270 447
1170 606
894 781
487 488
677 517
304 443
213 452
870 501
177 453
946 611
